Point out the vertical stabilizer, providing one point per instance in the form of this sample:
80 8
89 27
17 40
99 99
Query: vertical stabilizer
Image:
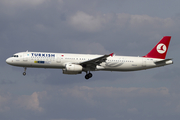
160 50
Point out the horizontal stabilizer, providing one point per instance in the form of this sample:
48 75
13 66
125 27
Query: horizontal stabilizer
165 61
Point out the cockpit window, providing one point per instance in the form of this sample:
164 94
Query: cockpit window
15 55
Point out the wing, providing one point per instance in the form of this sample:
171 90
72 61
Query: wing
91 64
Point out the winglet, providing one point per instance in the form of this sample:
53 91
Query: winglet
111 54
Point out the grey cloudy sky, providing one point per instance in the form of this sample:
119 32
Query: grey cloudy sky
125 27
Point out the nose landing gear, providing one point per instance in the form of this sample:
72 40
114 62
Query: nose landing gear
24 73
88 75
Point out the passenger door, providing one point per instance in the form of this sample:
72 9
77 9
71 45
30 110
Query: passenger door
144 62
58 58
25 57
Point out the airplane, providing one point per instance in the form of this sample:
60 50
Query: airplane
73 64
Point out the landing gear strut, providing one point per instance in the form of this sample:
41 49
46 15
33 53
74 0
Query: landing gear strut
24 73
88 75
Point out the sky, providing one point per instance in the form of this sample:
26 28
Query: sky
125 27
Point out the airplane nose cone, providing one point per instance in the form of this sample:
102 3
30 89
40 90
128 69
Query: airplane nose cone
8 61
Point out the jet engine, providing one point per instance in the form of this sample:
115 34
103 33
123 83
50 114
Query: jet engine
72 69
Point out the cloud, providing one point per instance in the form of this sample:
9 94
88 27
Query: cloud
94 102
142 26
30 102
113 101
3 103
85 22
144 22
14 8
23 2
112 92
132 110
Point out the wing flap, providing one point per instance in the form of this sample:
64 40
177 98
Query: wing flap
94 62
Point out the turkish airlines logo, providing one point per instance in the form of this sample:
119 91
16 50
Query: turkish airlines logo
161 48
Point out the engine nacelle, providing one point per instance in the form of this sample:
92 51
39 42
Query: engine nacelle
72 69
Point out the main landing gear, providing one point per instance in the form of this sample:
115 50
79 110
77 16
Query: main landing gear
88 75
24 73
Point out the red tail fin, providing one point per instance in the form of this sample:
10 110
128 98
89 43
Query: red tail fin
160 50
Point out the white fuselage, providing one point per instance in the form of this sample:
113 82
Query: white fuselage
59 60
78 63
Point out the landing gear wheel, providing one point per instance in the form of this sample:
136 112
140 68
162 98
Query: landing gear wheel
24 73
88 75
